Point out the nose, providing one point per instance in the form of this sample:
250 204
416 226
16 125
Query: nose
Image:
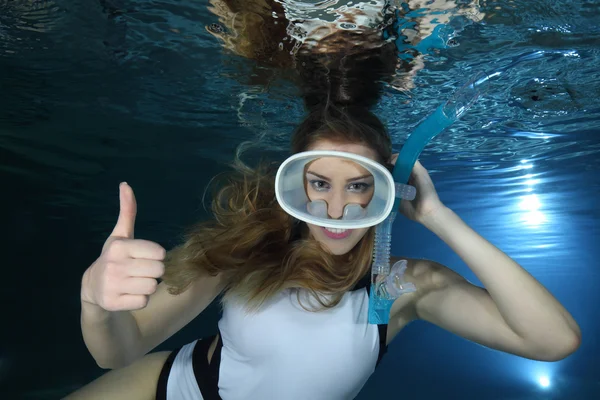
335 205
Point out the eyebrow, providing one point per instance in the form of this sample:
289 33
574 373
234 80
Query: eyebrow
347 180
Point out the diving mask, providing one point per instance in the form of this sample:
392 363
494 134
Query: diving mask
354 193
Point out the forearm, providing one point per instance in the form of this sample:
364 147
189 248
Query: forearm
113 338
526 306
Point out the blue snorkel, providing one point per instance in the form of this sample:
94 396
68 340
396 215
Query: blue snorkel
387 282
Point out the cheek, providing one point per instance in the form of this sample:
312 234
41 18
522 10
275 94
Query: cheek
360 233
314 230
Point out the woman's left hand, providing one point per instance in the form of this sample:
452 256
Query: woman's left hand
426 203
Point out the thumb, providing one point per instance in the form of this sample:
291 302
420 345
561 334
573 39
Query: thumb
128 209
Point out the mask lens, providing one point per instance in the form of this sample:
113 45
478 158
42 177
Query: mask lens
335 189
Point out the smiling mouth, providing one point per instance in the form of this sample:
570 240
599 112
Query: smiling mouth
334 233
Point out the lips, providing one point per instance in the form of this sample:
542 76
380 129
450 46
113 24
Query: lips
336 233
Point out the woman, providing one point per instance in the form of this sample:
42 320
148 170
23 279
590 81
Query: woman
274 341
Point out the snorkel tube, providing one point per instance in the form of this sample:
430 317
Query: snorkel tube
387 283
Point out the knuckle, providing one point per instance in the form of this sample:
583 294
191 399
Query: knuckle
112 271
151 286
112 285
159 269
153 251
116 247
139 302
110 303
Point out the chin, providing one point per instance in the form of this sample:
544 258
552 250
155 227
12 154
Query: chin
338 250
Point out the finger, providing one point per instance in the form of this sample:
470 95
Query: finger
139 286
145 249
412 178
141 268
419 173
131 302
127 212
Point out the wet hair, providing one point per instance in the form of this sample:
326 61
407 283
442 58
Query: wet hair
342 78
352 71
259 249
343 124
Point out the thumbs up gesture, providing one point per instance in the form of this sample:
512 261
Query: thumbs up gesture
125 274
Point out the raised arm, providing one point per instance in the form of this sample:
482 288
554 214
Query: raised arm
513 312
124 312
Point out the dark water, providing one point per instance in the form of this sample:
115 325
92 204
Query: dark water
94 93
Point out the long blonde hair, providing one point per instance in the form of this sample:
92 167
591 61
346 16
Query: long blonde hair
258 248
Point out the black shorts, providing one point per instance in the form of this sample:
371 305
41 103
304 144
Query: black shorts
207 375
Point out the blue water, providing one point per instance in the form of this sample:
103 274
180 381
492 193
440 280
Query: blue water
94 93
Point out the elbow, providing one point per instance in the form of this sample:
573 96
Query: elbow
560 349
111 363
106 364
569 347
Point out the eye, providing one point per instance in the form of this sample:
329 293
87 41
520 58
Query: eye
359 187
318 185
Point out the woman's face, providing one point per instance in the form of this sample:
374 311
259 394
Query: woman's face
339 182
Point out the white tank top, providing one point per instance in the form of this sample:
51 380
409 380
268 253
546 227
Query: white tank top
286 352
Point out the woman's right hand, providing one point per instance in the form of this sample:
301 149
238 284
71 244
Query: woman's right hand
125 274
